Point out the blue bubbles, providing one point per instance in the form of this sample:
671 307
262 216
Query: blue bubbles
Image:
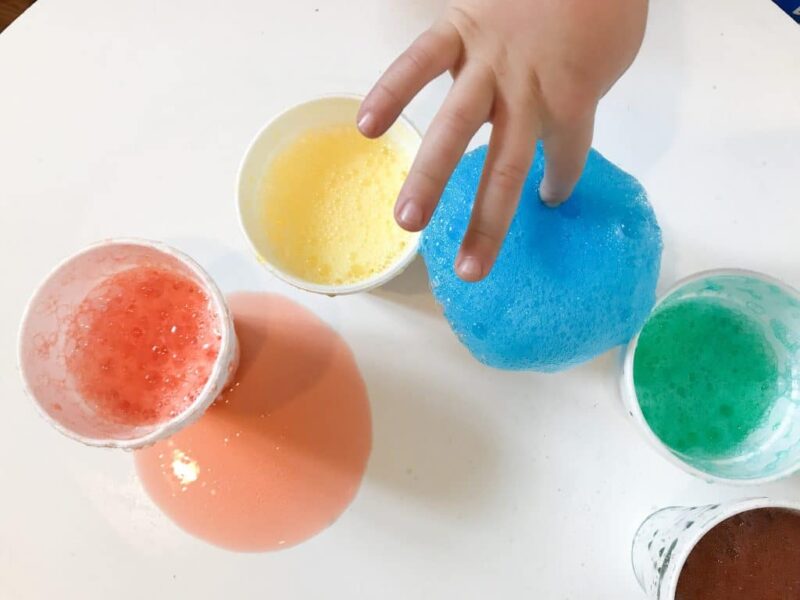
569 283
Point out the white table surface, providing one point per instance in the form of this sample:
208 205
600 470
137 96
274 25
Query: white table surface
129 118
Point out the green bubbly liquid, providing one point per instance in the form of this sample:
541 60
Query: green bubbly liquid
705 376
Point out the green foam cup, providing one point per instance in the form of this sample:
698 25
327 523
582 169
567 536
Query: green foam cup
713 378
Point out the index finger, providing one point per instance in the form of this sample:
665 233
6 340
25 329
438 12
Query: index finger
430 55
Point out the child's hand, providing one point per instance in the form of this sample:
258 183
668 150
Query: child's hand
535 69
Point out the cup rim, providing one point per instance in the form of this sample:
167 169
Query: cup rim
631 402
377 280
731 509
216 379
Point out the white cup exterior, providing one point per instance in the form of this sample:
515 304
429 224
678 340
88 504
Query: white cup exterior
269 142
42 337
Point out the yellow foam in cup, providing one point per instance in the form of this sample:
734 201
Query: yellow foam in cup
328 202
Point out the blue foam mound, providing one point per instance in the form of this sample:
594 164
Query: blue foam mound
569 283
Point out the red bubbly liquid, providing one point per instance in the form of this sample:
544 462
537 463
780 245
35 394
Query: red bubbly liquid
141 345
282 452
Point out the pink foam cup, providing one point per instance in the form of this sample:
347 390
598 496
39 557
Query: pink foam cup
43 335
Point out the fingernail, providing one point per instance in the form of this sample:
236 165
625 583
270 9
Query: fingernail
364 123
548 197
469 268
410 215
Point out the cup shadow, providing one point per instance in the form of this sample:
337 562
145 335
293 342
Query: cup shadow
233 268
411 289
303 360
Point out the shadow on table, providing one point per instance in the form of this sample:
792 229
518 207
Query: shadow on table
411 289
646 103
232 269
427 447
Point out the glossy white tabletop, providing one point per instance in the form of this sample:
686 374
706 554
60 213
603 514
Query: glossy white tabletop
129 119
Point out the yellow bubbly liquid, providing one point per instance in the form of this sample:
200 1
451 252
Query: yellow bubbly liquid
328 206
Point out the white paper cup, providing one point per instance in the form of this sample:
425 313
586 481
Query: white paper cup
43 335
773 450
270 141
667 537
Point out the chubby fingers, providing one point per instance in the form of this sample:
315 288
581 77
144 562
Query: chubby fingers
430 55
512 146
465 109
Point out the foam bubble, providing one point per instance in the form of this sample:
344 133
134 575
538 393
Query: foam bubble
569 283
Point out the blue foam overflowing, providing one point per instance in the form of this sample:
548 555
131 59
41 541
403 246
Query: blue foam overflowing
569 283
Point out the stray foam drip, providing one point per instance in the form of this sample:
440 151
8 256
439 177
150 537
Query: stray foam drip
328 206
280 455
141 345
